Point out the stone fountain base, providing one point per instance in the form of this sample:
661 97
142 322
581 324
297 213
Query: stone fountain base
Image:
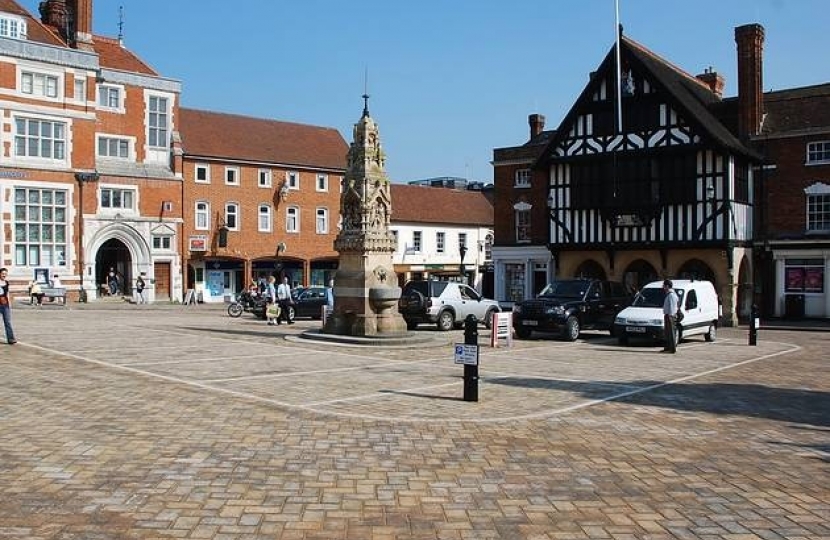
401 340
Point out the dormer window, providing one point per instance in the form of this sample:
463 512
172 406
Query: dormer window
12 27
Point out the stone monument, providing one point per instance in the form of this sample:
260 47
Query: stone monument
366 288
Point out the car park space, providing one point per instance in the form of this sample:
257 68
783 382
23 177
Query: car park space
244 358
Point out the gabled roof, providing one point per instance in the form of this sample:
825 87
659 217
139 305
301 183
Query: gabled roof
424 204
218 135
36 30
113 55
693 97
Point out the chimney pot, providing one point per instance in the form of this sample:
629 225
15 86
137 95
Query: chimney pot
713 80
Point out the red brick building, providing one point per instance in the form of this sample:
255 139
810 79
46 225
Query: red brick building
88 176
261 197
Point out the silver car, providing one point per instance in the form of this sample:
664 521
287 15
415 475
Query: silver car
444 303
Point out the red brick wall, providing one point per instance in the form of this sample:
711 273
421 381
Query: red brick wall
506 196
786 204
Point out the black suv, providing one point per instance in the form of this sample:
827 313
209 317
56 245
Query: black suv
569 306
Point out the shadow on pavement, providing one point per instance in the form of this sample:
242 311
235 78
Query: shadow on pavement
750 400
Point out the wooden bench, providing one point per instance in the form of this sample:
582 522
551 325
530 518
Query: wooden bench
54 292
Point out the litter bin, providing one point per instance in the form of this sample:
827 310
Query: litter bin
794 306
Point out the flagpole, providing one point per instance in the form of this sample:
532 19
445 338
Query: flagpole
619 67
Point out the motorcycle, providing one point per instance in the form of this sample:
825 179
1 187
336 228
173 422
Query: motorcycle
246 302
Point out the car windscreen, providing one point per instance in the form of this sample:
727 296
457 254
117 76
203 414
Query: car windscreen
653 297
565 289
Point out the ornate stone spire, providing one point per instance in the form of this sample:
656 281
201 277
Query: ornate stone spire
366 203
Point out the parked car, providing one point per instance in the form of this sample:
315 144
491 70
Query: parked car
309 302
443 303
644 318
569 306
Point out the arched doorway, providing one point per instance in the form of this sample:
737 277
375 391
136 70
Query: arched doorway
638 274
699 270
589 269
114 254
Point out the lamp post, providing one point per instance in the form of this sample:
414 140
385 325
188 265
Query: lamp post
82 178
463 251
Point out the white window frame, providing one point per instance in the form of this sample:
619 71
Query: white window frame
107 93
264 219
818 196
264 178
818 153
235 173
233 214
322 221
161 240
111 192
201 167
292 219
61 144
440 241
41 84
30 216
158 136
522 178
522 223
13 27
292 179
128 142
79 88
417 241
462 240
322 183
201 212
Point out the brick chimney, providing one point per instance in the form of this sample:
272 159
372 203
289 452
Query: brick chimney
750 41
713 80
537 124
82 13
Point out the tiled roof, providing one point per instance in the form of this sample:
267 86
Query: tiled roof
113 55
221 135
424 204
797 110
36 30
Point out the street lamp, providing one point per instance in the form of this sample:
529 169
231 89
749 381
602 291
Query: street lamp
463 251
82 178
223 235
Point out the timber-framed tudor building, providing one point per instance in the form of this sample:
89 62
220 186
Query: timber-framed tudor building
691 184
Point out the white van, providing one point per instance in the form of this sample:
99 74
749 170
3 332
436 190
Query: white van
644 317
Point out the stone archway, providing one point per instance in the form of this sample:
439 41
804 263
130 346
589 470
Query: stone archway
590 269
699 270
114 255
638 274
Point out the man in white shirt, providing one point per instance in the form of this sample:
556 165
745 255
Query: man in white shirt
670 305
284 298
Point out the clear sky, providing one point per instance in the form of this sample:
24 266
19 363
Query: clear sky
449 79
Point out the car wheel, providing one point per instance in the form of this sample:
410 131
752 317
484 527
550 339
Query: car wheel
235 310
446 321
622 340
571 331
712 334
411 325
488 319
522 332
291 313
417 299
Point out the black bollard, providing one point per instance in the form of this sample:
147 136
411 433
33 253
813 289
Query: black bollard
753 325
470 372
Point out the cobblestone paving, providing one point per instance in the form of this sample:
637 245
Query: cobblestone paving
183 423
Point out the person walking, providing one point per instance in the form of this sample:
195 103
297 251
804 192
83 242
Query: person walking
271 305
285 300
5 307
670 306
140 284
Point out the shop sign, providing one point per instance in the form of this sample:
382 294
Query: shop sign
198 242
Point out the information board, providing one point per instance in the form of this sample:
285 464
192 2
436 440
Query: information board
466 354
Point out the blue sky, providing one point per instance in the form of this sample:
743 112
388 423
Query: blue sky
450 79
